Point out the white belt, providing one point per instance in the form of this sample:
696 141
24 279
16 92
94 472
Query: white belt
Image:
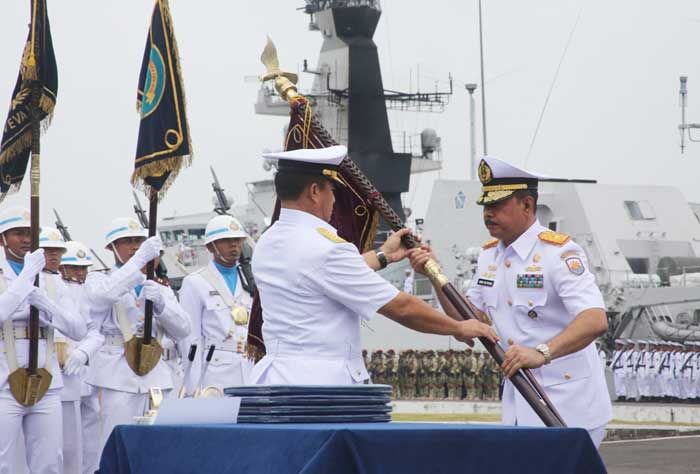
319 350
229 346
22 332
114 339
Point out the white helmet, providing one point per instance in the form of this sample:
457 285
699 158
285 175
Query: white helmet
223 227
14 217
76 254
124 227
51 238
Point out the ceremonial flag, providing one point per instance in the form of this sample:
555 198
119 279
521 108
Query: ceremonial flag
36 87
354 217
164 137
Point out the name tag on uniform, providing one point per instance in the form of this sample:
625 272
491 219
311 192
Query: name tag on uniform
484 282
530 280
213 293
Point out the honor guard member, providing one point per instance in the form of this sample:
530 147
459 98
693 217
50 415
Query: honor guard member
535 286
117 301
218 301
316 288
41 423
618 370
81 423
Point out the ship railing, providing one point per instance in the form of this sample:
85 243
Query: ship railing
629 279
689 277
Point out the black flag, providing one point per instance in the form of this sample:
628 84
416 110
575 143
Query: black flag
38 64
164 137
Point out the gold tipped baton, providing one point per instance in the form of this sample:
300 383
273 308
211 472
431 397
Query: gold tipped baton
523 380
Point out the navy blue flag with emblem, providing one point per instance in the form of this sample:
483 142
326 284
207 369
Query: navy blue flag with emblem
37 85
164 137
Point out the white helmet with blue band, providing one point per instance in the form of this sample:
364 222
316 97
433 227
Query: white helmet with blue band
223 227
76 254
124 227
14 217
51 238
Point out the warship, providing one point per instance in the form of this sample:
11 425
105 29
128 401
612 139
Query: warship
642 242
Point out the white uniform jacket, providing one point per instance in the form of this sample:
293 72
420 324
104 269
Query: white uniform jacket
74 386
14 304
315 289
212 323
533 290
108 367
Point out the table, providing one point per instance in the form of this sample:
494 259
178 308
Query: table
349 448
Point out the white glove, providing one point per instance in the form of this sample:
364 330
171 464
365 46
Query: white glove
40 300
34 263
149 249
151 291
76 361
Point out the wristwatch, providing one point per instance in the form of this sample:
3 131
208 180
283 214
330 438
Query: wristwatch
382 260
544 350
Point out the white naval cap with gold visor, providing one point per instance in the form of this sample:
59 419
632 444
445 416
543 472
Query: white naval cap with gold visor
314 161
500 180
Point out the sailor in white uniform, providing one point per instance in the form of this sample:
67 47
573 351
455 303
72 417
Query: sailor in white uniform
218 299
41 423
617 367
81 424
316 288
117 302
536 287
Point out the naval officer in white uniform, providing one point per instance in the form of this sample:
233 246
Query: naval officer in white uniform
536 287
40 424
316 288
218 301
117 303
81 424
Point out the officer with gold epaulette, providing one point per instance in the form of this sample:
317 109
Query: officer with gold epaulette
536 287
316 288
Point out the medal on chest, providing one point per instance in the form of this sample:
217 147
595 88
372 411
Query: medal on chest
530 280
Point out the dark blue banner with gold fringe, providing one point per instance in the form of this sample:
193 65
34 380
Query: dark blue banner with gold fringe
37 86
164 138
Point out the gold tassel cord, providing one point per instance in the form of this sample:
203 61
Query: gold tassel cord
159 168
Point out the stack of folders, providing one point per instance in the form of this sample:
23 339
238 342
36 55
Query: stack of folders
313 403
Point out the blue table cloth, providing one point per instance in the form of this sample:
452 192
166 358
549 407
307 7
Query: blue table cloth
349 448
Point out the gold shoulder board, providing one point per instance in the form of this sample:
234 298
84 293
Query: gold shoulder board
330 235
554 238
490 244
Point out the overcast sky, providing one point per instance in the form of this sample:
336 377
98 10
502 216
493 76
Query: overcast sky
612 115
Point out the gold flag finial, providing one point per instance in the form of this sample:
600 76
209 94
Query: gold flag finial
285 82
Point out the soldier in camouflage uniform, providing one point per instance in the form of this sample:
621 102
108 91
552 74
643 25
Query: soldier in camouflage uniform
426 375
391 371
454 381
479 376
490 381
413 367
443 373
403 375
467 373
376 367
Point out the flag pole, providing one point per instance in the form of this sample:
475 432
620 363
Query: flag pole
150 267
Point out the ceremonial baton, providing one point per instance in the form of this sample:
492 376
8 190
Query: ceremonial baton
200 382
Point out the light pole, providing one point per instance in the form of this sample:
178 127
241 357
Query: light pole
483 87
472 131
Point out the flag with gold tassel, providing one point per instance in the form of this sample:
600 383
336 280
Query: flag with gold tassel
355 219
34 92
164 145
